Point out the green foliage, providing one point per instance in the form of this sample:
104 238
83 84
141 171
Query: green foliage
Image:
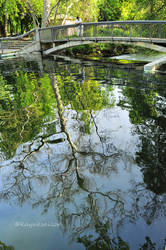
103 241
146 107
143 10
86 9
5 247
25 107
16 15
148 244
136 100
100 51
80 50
131 10
109 10
84 97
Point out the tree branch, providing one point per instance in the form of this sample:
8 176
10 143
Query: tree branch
32 13
67 12
53 7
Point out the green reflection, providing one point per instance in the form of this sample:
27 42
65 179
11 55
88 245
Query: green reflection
85 97
147 111
5 247
102 242
86 206
27 102
140 103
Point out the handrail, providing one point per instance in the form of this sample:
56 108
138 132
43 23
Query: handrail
18 37
85 24
138 28
10 42
106 23
119 30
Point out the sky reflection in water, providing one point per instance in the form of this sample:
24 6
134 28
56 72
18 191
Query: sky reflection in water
83 152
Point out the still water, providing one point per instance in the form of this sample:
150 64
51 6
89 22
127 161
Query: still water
82 156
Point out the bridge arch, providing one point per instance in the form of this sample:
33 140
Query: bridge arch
140 33
75 43
148 34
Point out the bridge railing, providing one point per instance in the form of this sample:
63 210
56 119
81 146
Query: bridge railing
142 29
15 41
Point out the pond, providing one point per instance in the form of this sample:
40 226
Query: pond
82 155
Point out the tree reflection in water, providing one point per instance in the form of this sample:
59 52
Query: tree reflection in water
77 174
5 247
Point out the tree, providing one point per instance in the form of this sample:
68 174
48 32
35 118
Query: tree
147 111
109 10
3 246
10 10
79 183
143 10
24 108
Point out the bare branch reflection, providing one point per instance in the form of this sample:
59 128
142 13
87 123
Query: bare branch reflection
93 187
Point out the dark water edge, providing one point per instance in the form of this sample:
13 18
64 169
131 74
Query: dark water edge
82 155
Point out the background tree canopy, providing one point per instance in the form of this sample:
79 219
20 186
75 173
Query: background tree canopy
19 16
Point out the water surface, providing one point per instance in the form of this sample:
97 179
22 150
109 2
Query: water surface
82 156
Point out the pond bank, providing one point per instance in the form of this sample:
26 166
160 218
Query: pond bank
123 54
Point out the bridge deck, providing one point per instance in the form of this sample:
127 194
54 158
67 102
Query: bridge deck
97 39
145 33
151 43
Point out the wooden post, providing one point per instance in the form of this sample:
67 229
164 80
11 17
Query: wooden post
37 35
107 30
130 31
94 30
52 34
159 30
141 30
112 29
150 31
1 46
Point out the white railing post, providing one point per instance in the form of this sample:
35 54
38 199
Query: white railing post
52 35
130 31
94 30
150 31
159 30
37 35
112 30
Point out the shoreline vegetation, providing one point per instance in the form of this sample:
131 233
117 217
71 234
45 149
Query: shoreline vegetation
104 52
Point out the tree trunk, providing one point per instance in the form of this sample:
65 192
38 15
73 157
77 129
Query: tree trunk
5 25
152 8
46 8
